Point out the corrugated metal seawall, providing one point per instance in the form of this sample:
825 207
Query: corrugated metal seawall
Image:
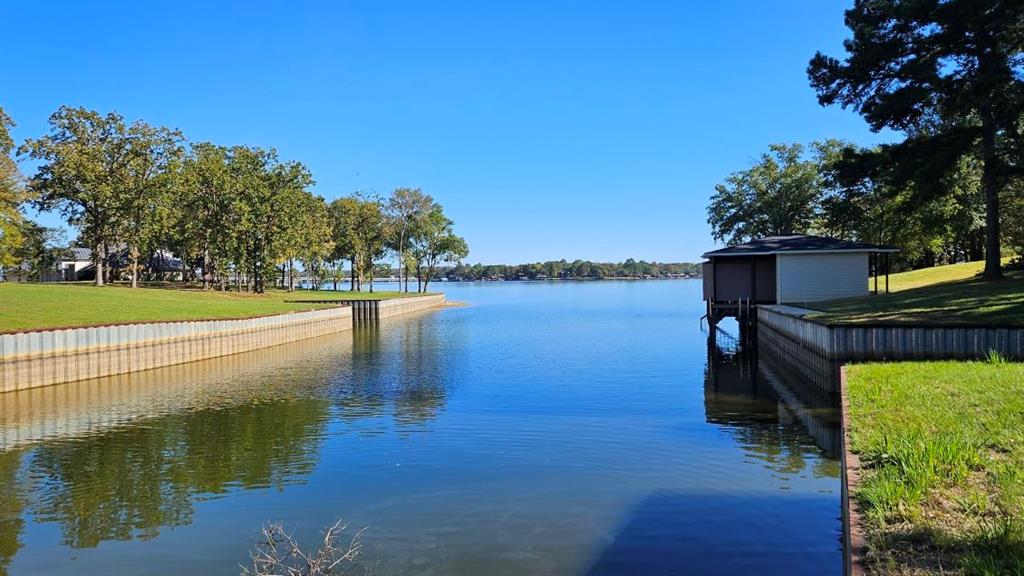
844 343
41 358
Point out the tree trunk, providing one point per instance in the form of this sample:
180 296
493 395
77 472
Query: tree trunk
352 275
134 255
291 275
109 269
401 261
256 281
206 268
99 254
990 185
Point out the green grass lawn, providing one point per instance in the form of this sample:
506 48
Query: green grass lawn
942 453
949 295
933 275
34 306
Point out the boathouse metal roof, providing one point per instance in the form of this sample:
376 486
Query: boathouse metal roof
796 244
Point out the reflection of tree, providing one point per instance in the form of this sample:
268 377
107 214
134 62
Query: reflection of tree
131 482
109 487
740 398
272 444
12 501
406 378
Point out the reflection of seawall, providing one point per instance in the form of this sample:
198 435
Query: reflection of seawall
763 385
805 380
100 405
32 359
813 407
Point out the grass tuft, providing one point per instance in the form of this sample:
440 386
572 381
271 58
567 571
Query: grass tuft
994 357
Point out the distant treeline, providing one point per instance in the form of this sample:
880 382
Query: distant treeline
568 270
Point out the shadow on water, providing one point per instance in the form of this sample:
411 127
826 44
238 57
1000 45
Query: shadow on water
668 534
785 418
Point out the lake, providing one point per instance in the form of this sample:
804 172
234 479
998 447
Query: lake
562 428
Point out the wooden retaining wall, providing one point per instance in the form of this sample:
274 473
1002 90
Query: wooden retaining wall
41 358
844 343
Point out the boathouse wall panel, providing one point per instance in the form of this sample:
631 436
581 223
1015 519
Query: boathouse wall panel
764 279
817 277
708 276
753 278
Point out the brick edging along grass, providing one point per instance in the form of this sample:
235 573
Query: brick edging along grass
854 543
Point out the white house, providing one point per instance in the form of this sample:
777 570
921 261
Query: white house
76 264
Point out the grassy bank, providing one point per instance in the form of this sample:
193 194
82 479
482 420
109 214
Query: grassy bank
946 295
942 452
36 306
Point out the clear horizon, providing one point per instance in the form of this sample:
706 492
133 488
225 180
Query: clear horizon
576 131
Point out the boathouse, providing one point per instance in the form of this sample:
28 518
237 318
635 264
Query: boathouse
794 269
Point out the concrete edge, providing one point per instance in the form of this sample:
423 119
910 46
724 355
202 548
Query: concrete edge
854 543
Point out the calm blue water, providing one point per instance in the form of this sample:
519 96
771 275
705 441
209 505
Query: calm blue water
548 428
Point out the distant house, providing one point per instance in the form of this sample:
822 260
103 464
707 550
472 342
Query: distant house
791 270
72 264
161 264
76 264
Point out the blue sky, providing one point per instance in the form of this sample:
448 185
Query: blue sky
548 130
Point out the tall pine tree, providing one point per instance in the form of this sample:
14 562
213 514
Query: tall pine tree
948 75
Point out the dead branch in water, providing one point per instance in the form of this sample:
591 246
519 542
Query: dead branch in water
278 554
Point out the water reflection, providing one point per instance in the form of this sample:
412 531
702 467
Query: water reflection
129 483
568 437
751 391
122 458
12 502
405 375
767 416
